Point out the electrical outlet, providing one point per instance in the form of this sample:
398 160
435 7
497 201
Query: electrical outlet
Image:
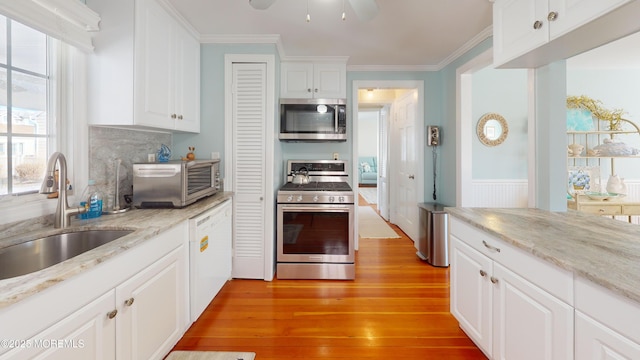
335 156
215 155
151 158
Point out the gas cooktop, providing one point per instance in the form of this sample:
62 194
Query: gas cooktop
317 186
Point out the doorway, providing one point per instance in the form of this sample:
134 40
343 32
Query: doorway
400 148
472 188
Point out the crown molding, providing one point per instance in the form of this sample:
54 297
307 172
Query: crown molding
480 37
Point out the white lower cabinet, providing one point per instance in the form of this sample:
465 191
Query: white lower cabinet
505 314
134 306
85 334
151 309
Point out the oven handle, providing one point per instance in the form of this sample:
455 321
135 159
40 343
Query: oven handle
316 208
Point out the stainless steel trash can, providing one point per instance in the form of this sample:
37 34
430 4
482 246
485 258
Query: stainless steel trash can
433 240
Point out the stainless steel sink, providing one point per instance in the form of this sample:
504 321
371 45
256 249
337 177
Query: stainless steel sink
34 255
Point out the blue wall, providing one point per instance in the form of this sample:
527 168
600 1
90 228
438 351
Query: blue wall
440 109
212 97
505 92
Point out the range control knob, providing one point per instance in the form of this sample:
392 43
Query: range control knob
290 198
332 199
341 199
316 198
299 198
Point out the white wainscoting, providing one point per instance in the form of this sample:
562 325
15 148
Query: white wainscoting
500 193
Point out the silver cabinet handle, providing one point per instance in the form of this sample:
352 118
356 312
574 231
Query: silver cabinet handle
483 273
316 90
490 247
494 280
129 302
173 116
412 177
308 89
552 16
537 25
179 117
112 314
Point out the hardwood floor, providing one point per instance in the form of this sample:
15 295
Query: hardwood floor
396 308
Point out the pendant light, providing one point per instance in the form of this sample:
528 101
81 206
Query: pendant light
308 16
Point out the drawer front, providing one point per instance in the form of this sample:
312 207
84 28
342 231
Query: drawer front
602 209
551 278
631 209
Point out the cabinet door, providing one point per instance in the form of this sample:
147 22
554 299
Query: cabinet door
472 293
575 13
513 27
151 308
85 334
329 81
297 80
595 341
529 323
187 89
154 76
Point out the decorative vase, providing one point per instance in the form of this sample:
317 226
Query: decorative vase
616 185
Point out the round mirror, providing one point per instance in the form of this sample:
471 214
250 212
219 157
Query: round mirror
492 129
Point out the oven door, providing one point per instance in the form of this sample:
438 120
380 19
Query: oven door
315 233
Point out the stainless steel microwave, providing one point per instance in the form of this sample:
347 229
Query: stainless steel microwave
174 184
313 120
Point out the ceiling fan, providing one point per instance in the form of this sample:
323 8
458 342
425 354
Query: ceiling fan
365 9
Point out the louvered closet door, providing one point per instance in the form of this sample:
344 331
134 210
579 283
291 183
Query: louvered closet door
249 114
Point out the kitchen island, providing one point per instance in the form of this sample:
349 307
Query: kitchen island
528 283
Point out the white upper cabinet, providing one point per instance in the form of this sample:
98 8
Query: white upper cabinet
531 33
145 71
305 80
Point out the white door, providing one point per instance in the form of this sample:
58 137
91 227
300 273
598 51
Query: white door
151 308
406 163
529 323
154 65
248 167
383 168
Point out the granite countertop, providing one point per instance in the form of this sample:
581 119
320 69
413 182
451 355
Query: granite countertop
602 250
145 223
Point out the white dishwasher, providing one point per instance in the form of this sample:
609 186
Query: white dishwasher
209 255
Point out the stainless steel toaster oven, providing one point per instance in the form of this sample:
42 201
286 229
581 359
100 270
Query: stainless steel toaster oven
174 184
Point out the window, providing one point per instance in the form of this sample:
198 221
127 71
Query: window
27 124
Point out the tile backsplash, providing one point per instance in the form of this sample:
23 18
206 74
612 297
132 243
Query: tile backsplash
131 146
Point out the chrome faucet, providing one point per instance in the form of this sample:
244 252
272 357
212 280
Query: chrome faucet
49 186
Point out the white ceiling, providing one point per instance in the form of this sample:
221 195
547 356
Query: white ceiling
405 34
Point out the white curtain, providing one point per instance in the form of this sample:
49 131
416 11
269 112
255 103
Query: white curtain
68 20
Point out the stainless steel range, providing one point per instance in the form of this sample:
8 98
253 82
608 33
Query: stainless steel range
315 222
